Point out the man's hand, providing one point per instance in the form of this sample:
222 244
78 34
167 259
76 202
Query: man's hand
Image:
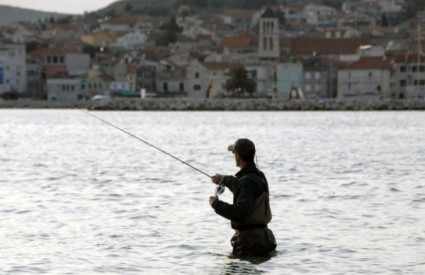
217 179
213 199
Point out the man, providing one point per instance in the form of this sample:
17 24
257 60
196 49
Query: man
250 212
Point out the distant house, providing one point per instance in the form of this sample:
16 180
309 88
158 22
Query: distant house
62 61
146 77
332 48
13 69
171 80
98 39
66 88
365 79
98 84
125 77
20 32
357 20
238 19
408 76
342 32
207 79
320 15
67 32
239 43
132 40
63 71
318 78
121 24
289 76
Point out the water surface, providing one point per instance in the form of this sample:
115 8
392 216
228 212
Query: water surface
79 197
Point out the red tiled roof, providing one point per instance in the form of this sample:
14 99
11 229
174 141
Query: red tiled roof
131 69
106 78
323 46
411 58
235 42
40 53
371 63
52 70
200 37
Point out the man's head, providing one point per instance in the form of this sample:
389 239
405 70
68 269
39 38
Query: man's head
244 149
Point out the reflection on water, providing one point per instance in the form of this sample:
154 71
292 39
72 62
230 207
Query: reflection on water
245 265
78 197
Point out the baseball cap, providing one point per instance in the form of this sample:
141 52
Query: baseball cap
242 146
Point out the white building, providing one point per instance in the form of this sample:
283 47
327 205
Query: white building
13 71
366 79
132 40
207 79
65 89
319 15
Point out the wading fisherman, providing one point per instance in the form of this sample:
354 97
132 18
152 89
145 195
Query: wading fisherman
250 212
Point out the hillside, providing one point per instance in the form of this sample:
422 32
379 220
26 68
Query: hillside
10 14
144 6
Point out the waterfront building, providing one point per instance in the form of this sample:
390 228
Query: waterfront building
365 79
13 69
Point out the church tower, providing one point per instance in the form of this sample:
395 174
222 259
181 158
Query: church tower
268 41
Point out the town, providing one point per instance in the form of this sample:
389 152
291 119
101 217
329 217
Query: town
362 50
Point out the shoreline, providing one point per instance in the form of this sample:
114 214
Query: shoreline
179 104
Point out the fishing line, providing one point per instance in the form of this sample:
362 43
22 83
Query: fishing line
144 141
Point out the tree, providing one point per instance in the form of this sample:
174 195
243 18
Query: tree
240 83
169 34
128 8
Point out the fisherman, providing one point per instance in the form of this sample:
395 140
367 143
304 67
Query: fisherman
250 212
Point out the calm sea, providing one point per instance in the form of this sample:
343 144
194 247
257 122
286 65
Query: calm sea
79 197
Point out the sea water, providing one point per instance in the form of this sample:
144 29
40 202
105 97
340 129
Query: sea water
80 197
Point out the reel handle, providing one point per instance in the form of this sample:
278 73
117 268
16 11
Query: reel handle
219 190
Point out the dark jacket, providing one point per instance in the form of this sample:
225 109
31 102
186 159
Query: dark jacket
251 207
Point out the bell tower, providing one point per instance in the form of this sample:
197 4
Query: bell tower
269 46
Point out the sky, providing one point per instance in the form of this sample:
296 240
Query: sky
70 7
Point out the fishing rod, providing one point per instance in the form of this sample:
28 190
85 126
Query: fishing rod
144 141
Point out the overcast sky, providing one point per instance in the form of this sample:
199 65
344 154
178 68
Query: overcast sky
62 6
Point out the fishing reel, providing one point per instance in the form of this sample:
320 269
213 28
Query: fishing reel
219 189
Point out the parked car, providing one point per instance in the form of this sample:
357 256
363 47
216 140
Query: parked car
100 97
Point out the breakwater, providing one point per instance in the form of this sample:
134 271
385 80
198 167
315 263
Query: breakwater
181 104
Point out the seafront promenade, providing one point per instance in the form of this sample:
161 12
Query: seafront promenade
180 104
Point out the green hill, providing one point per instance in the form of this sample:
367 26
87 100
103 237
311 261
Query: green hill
135 6
10 14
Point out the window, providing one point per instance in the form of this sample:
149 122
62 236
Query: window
403 83
61 59
307 87
196 87
370 74
403 68
196 75
181 86
55 60
307 75
271 43
318 87
49 59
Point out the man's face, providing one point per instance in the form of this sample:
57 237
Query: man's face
237 159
